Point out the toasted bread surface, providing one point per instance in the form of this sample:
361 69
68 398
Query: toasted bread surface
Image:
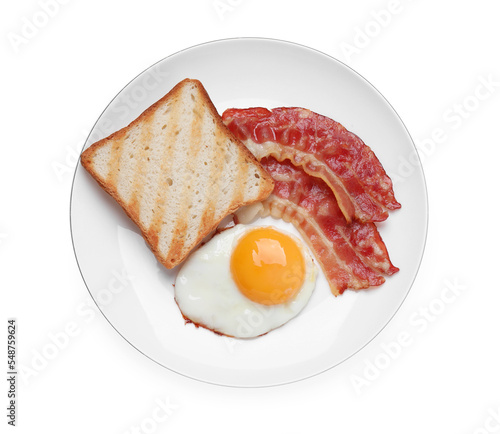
177 171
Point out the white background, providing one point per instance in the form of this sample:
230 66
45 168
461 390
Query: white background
63 63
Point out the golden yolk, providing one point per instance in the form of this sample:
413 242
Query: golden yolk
268 266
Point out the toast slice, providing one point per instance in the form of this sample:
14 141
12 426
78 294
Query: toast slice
177 171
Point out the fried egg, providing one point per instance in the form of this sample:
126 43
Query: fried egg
246 281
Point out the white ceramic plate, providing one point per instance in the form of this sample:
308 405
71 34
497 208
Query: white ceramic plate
135 292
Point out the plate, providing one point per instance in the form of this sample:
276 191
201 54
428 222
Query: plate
135 293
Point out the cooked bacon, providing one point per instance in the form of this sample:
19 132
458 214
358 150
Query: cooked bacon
323 148
352 255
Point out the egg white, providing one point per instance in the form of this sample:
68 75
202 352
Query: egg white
208 296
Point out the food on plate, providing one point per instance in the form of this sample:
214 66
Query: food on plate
245 281
352 255
180 169
177 171
328 183
323 148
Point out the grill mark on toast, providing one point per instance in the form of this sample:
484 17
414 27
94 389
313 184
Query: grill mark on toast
241 178
152 174
178 244
215 174
198 227
137 187
162 189
114 162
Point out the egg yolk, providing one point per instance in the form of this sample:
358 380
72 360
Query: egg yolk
268 266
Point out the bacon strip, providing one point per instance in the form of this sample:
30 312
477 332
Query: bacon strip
323 148
352 255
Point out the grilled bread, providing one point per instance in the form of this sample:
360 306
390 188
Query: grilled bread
177 171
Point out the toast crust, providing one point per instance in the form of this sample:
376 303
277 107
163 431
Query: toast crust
177 251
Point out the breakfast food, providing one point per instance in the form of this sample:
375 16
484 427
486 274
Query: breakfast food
245 281
324 149
177 171
328 184
352 255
